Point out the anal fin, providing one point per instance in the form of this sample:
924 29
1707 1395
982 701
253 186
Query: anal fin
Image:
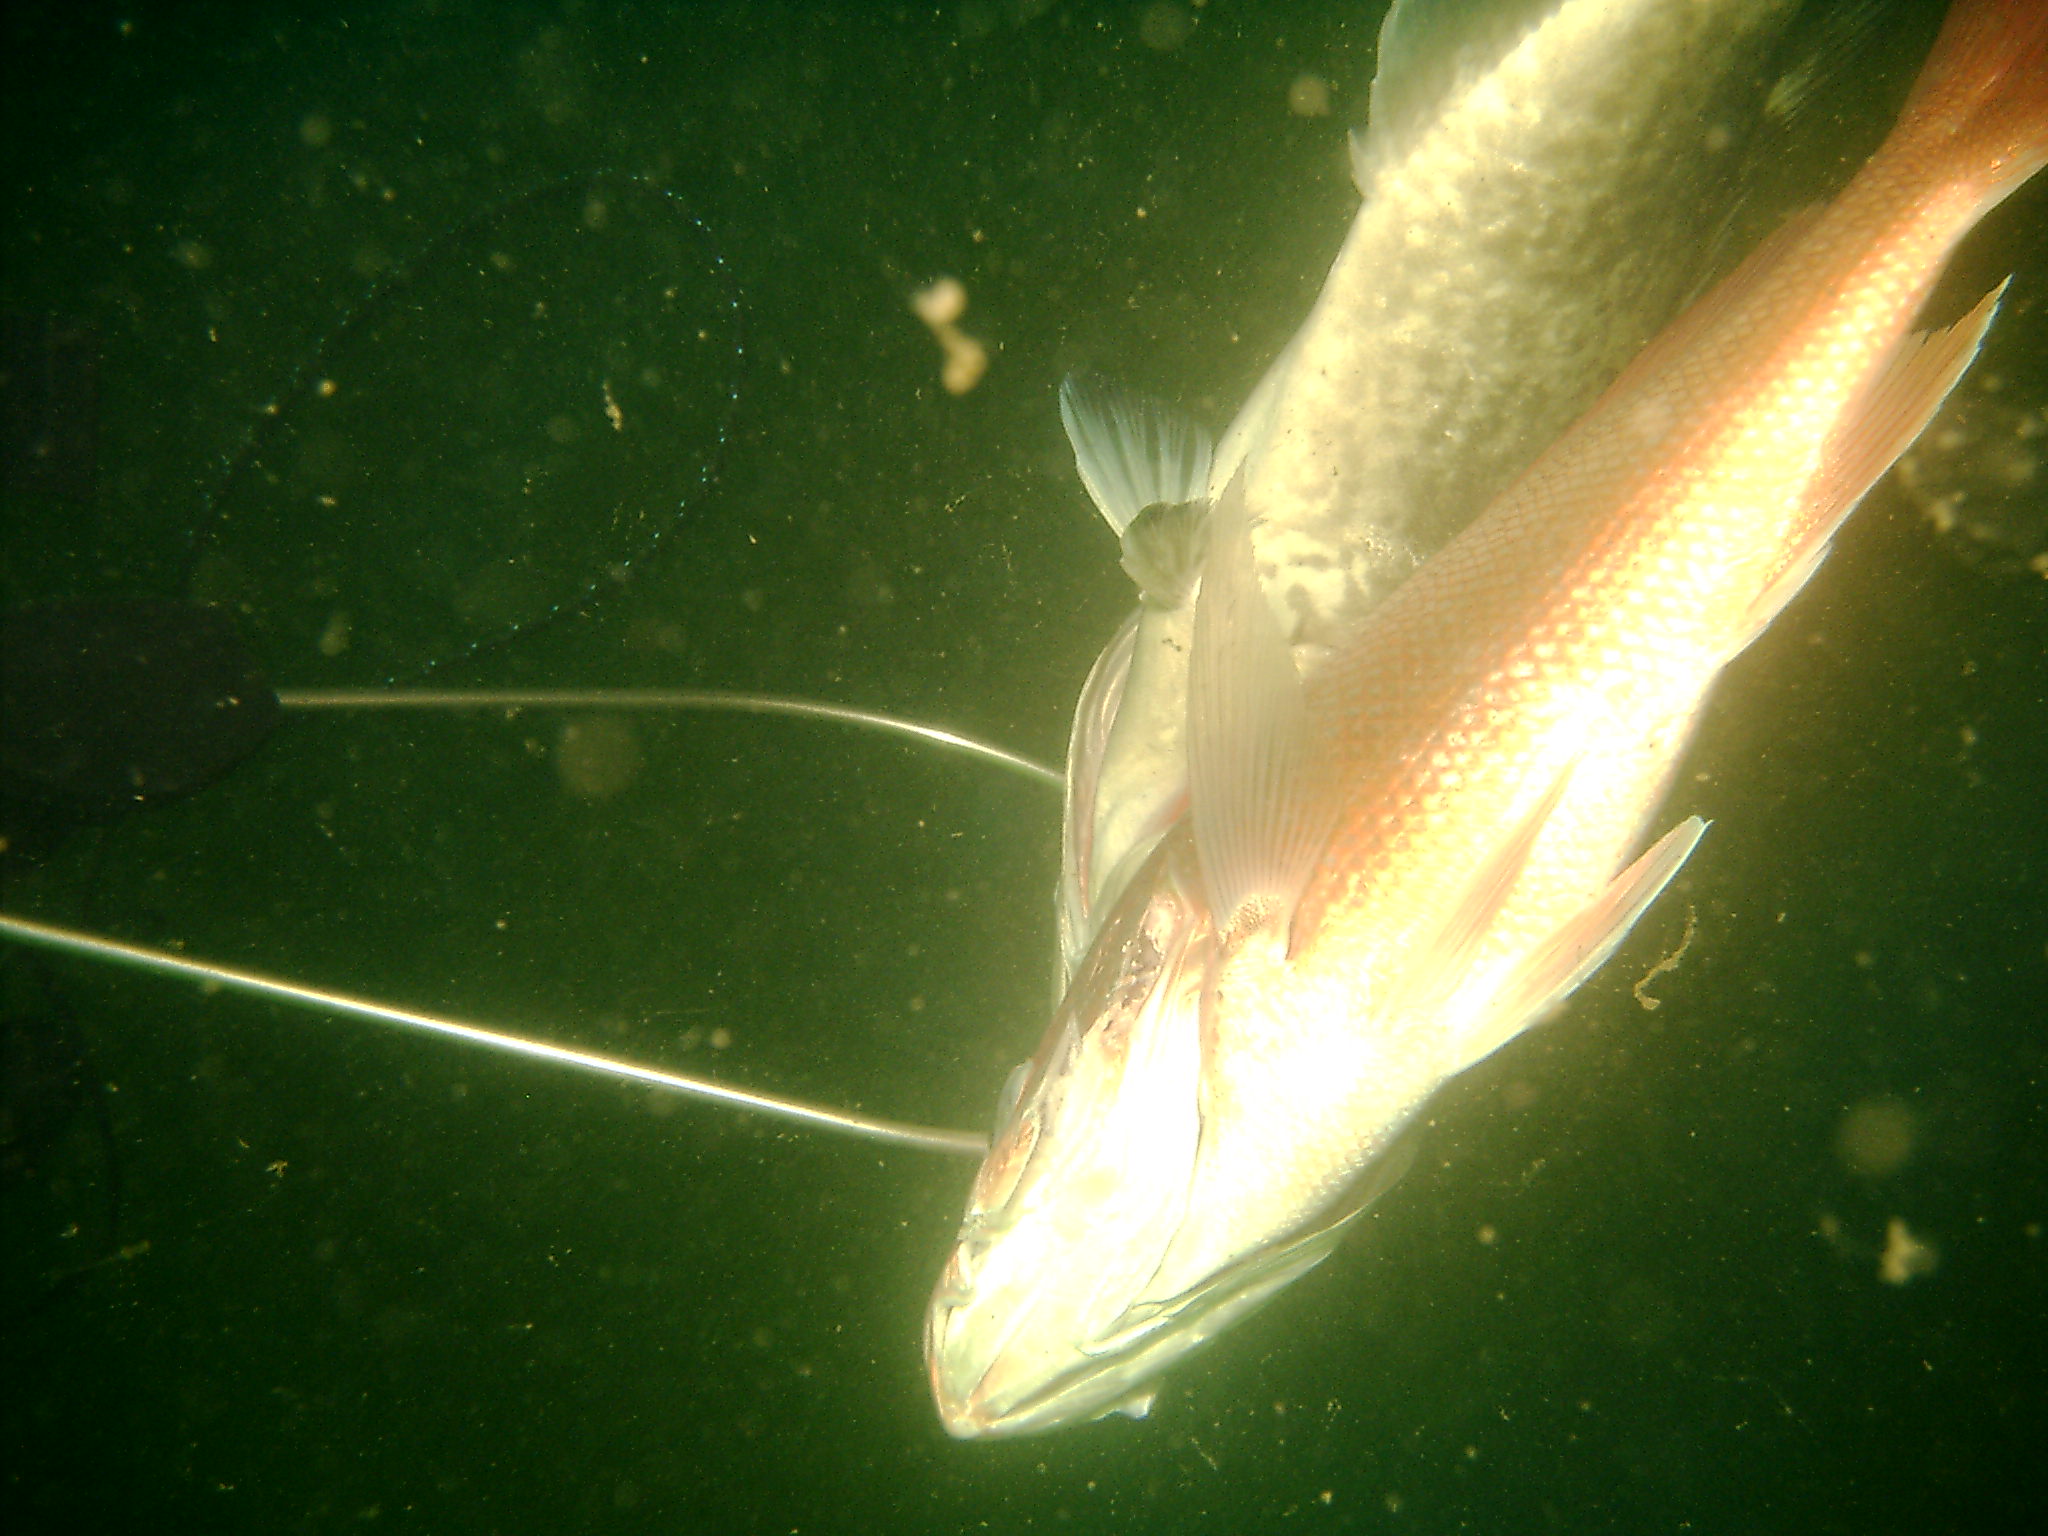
1893 412
1564 960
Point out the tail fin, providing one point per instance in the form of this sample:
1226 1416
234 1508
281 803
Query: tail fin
1982 96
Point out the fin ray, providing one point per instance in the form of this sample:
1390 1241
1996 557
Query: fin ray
1260 812
1131 449
1894 411
1557 967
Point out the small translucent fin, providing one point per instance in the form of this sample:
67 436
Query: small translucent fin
1131 450
1011 1094
1254 789
1359 146
1139 1404
1548 976
1439 965
1893 412
1382 1171
1824 65
1834 52
1095 713
1163 550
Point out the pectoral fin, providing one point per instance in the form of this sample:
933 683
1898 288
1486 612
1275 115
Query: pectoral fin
1257 783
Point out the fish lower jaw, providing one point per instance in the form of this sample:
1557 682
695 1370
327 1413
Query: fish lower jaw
1032 1385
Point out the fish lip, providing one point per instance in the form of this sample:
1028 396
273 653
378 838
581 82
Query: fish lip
1122 1377
973 1409
961 1412
1118 1368
972 1414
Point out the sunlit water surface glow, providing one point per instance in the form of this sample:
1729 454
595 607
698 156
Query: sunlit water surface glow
1636 1279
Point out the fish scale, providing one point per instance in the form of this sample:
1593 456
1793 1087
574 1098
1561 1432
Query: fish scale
1613 582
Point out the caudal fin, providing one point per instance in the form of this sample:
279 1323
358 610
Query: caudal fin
1982 97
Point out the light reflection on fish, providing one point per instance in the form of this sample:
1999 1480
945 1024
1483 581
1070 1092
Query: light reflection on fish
1517 244
1391 869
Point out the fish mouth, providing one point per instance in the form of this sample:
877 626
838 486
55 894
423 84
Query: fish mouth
1007 1397
1014 1389
1014 1384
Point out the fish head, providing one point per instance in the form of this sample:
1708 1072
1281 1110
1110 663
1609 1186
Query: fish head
1051 1308
1086 1178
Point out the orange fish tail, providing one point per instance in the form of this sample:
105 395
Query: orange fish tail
1981 102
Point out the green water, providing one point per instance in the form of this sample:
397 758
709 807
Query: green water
393 1285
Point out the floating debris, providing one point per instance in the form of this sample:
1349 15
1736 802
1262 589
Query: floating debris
1905 1257
940 306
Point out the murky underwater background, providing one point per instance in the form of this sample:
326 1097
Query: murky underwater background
1634 1283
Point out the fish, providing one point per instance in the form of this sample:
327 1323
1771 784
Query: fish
1393 867
1495 277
